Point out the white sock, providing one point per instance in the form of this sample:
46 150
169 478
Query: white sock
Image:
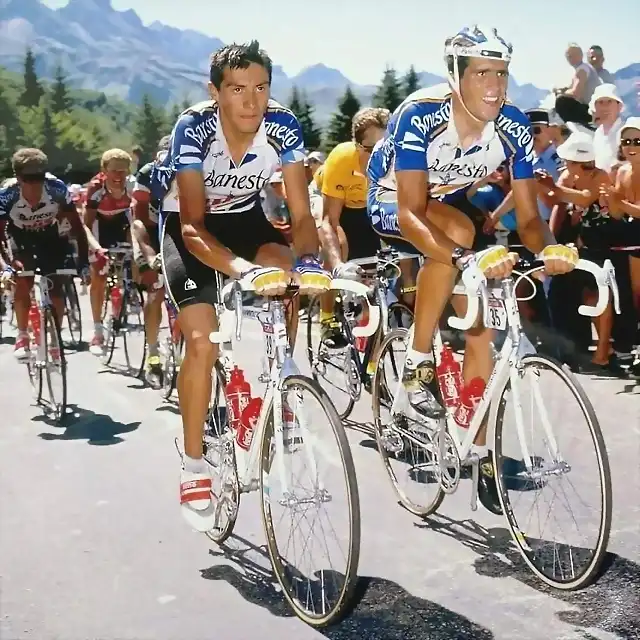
481 450
98 328
194 465
414 358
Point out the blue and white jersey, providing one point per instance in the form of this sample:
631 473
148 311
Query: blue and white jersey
22 217
421 136
198 142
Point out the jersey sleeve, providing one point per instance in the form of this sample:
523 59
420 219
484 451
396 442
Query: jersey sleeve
92 193
522 162
292 149
516 128
61 194
7 196
332 182
142 184
189 141
410 139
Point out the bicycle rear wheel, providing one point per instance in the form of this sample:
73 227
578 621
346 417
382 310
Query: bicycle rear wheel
72 312
133 330
320 592
55 366
570 458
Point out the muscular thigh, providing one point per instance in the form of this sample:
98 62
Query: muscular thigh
453 222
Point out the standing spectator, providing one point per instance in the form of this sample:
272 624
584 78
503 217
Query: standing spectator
312 163
136 159
572 103
596 60
606 107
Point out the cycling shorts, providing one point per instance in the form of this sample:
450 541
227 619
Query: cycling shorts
363 241
45 249
188 280
382 208
112 230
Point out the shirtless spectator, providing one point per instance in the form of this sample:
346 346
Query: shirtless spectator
606 107
572 103
596 60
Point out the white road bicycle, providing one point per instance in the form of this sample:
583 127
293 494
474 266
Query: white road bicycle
298 435
426 456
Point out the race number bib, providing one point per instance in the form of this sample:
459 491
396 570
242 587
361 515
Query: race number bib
496 314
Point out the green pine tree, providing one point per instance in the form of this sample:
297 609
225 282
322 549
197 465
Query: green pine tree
60 100
33 90
49 137
303 110
10 132
295 102
410 82
389 93
339 129
149 125
176 110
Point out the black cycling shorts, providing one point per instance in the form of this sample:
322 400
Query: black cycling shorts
188 280
112 230
45 249
362 240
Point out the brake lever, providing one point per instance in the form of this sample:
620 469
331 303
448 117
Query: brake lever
238 309
610 279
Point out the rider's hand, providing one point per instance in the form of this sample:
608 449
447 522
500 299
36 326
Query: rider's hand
311 277
559 259
496 262
7 276
348 271
156 263
268 281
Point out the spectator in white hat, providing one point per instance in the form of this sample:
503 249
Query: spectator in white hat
606 107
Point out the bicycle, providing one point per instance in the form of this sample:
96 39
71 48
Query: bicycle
44 332
431 453
281 438
353 361
72 312
125 318
171 351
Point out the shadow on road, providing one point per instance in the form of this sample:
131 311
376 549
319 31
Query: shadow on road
170 406
383 609
611 604
83 424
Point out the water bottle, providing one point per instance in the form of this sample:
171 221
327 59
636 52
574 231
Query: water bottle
470 396
449 374
248 420
34 320
116 300
238 392
361 341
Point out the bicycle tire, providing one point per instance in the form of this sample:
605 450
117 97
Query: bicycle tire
342 413
346 597
50 319
136 370
593 568
220 381
72 300
377 390
33 370
112 334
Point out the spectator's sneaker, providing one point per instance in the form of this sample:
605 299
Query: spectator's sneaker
634 369
96 347
332 336
421 386
154 373
21 348
487 488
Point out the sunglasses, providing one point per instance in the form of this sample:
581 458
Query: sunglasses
537 130
367 148
630 142
33 178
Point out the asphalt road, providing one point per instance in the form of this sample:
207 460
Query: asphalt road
93 546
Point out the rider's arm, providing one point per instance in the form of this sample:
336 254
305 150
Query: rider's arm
69 212
504 207
331 211
140 206
89 213
303 226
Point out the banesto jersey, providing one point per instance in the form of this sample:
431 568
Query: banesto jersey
421 136
198 142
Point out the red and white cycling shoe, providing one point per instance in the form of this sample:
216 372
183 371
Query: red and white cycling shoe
196 500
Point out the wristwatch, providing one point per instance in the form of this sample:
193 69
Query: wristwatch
460 257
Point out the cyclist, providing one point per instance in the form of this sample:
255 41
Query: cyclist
33 208
107 218
146 248
222 153
440 141
346 233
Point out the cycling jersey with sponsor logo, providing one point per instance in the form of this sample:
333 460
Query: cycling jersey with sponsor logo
421 136
105 203
22 217
198 142
143 184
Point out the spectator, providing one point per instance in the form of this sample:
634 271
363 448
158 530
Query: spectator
606 107
572 102
312 163
136 159
596 60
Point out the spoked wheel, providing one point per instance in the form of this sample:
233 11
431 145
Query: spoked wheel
220 454
559 474
171 358
309 444
400 316
408 447
72 312
34 369
337 372
55 366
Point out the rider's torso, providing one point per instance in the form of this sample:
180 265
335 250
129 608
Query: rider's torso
343 178
198 142
421 135
22 216
106 203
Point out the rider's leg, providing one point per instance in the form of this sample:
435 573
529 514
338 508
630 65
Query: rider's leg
332 336
21 304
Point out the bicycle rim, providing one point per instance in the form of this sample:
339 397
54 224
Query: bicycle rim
73 313
219 452
55 360
303 440
134 334
406 450
518 486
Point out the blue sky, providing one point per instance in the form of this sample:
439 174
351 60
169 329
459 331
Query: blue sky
330 31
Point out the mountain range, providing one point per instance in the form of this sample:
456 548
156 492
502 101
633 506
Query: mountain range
112 51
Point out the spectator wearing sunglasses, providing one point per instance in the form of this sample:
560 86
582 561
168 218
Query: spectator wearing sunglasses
606 107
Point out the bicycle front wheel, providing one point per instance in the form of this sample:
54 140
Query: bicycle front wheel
557 474
73 313
55 366
308 442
